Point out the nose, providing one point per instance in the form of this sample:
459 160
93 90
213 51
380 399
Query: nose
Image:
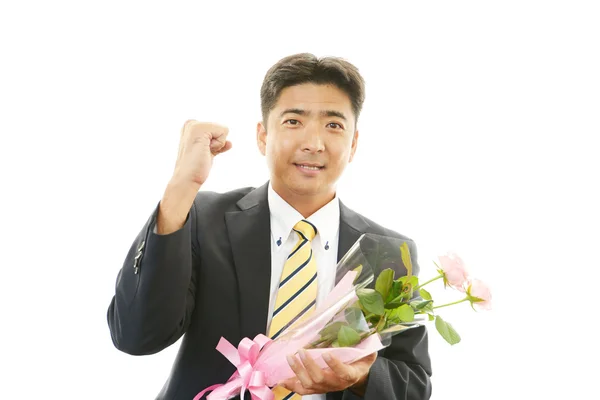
313 140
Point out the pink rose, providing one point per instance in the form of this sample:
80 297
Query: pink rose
455 272
482 291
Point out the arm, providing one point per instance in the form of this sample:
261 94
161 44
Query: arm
155 291
155 288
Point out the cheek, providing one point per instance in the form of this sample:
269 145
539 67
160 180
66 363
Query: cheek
281 149
276 156
341 156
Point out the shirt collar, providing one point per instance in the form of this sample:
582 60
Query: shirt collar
284 217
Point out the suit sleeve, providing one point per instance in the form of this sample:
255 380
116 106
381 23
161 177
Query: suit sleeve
402 371
155 289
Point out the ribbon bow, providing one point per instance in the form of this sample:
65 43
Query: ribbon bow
245 378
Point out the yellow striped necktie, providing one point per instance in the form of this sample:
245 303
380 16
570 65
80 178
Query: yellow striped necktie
297 292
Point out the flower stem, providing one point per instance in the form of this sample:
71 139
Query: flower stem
429 281
454 302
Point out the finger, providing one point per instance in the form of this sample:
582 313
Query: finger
217 144
369 359
314 371
227 146
217 129
182 133
366 361
185 125
342 371
294 385
300 372
218 134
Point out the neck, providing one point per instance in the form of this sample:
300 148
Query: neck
305 204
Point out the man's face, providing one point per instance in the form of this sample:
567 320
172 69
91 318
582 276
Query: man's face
309 139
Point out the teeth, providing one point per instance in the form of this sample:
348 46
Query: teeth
308 167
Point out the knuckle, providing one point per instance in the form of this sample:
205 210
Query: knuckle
195 126
300 390
347 377
217 128
213 131
188 122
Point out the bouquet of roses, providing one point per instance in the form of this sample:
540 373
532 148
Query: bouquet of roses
375 297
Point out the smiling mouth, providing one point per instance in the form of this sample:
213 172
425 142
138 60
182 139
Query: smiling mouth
309 167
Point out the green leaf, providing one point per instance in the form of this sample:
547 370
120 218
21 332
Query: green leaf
348 337
393 304
425 294
405 253
409 280
404 313
420 305
382 324
384 282
408 284
374 319
354 316
431 317
401 298
428 308
358 271
474 299
446 330
395 291
331 330
395 329
371 301
360 305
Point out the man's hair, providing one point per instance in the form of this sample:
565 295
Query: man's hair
307 68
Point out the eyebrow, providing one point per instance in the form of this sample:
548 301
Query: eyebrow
324 113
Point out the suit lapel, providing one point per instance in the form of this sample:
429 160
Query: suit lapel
249 232
352 226
250 237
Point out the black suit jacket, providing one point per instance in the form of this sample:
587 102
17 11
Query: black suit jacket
211 279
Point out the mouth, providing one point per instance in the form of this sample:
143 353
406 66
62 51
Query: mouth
310 166
309 169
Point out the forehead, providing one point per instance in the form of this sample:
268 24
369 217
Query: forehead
310 96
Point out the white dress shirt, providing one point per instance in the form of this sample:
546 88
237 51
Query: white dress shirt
324 246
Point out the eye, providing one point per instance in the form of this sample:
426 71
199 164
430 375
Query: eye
292 122
335 125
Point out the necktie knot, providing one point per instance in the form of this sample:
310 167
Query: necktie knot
306 229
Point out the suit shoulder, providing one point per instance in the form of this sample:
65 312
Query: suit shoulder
208 201
381 230
377 229
370 226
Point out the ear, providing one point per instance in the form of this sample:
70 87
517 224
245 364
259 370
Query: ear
354 144
261 138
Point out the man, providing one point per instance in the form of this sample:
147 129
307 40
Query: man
209 265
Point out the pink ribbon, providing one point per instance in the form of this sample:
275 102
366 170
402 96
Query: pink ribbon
253 374
245 378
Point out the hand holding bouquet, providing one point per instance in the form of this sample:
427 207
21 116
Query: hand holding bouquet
356 319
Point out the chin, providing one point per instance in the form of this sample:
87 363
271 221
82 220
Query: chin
304 188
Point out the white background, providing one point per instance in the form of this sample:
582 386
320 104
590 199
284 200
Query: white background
479 135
